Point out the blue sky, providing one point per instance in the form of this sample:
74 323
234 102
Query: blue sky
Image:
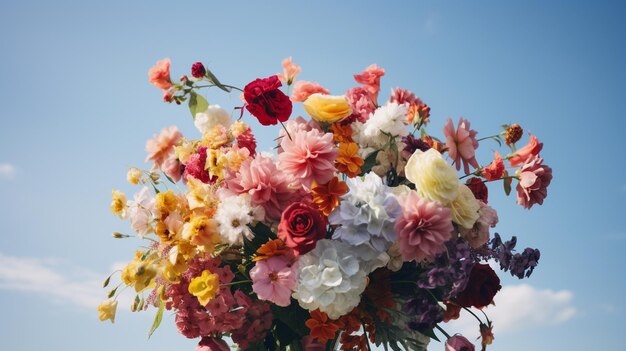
76 110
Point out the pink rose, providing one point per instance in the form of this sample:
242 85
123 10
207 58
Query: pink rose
159 74
459 343
534 178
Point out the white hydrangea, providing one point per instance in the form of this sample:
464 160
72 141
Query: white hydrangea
331 277
233 215
212 116
388 119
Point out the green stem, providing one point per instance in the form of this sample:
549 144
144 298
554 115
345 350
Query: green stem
235 283
442 331
473 314
367 340
213 85
491 136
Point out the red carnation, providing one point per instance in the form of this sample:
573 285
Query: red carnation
198 70
301 226
482 286
266 102
478 188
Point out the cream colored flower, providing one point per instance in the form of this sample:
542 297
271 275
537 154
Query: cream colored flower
118 203
433 177
107 309
214 115
185 150
133 176
465 208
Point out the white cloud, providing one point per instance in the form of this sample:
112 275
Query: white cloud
520 307
52 279
7 170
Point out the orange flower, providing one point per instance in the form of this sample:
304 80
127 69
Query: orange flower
322 328
271 248
341 133
326 196
348 160
486 332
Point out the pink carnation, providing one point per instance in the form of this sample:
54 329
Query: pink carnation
309 156
370 78
403 96
423 228
212 344
290 69
161 147
274 280
361 103
266 185
159 74
303 89
461 144
195 167
529 151
534 178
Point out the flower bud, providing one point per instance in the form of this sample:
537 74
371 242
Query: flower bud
198 70
513 133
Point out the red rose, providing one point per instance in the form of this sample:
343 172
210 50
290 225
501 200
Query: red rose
482 286
478 188
301 226
266 102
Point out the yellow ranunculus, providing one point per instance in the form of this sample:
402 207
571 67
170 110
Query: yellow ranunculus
465 208
133 176
205 287
433 177
107 310
118 203
327 108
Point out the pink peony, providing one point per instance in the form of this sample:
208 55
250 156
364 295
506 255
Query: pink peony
161 147
459 343
274 280
534 178
461 144
290 69
212 344
303 89
423 228
370 78
266 185
495 169
361 103
309 156
531 150
159 74
195 167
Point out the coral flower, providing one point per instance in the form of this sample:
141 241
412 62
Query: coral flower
271 248
341 133
291 71
326 196
530 150
495 169
303 89
159 74
161 147
308 156
322 328
274 280
370 78
461 144
348 160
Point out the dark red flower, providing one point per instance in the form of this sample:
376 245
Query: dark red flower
266 102
301 226
482 286
198 70
478 188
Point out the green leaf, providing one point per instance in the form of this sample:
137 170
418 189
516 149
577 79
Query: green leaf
159 316
431 334
215 81
370 161
197 103
507 183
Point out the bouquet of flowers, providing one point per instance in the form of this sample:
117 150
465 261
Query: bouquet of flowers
358 230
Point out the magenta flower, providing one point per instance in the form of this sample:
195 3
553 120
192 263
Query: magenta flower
195 167
309 156
274 280
461 144
423 228
534 178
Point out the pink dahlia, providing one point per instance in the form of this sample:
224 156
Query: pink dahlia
529 151
303 89
161 147
370 78
195 167
423 228
361 103
274 280
534 178
309 156
267 186
461 144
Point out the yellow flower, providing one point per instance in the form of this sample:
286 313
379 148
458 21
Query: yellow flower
215 138
199 194
107 309
465 208
118 204
236 156
215 162
166 202
140 273
204 287
433 177
327 108
185 150
202 232
238 128
133 176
